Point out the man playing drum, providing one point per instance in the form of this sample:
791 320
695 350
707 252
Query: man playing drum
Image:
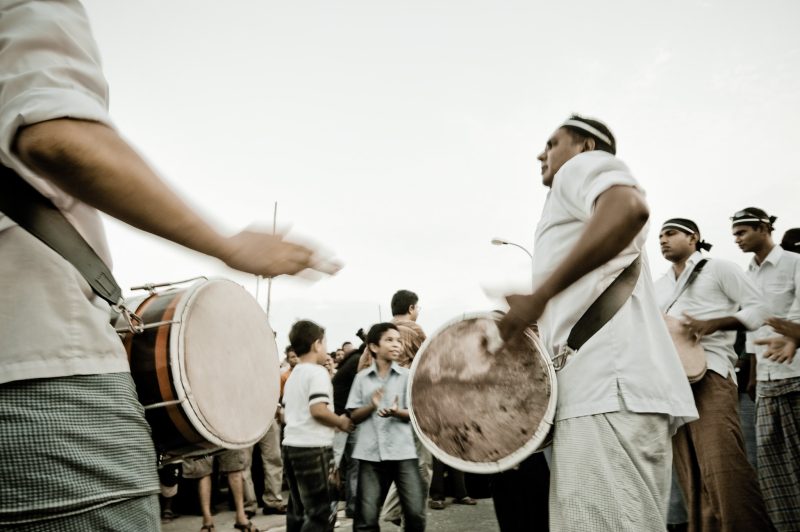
77 453
710 457
623 394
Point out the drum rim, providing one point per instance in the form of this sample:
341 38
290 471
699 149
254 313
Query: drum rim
513 459
177 361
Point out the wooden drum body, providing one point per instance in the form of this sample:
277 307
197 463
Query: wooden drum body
476 406
205 368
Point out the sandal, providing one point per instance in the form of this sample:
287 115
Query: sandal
247 527
210 528
465 500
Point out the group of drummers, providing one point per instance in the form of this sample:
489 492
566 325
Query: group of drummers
77 449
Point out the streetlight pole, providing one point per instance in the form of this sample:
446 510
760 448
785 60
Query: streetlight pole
501 242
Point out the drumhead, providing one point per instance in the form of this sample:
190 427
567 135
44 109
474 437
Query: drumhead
476 410
224 355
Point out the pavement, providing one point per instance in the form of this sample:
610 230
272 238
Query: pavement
454 518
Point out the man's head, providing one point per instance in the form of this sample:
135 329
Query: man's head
291 356
405 302
752 229
679 238
791 240
338 356
384 341
576 135
306 338
347 347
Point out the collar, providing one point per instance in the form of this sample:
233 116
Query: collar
773 257
373 368
693 259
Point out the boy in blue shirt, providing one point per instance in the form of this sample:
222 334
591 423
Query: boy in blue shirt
384 442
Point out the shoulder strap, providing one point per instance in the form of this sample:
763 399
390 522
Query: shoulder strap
37 215
692 276
606 306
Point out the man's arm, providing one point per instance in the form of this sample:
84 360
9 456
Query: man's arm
91 162
619 214
321 413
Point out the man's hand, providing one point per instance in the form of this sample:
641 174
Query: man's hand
779 348
523 312
696 329
269 255
785 327
376 399
346 424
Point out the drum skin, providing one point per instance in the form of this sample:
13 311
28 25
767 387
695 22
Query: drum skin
476 406
218 357
691 353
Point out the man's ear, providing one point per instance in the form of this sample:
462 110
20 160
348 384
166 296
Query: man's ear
693 239
589 144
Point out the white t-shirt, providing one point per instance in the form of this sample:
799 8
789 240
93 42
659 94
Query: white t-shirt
631 362
51 323
308 384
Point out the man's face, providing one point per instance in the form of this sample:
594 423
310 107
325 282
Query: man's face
291 357
339 355
748 238
676 245
347 348
413 312
559 149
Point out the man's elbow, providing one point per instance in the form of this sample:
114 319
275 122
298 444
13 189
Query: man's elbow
43 145
638 211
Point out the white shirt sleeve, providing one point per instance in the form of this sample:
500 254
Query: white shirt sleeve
739 288
319 388
585 177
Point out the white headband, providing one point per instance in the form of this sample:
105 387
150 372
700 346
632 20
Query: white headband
679 226
589 129
756 220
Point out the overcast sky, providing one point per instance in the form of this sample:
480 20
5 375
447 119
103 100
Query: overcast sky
403 134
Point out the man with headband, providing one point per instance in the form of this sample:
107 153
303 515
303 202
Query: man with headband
622 394
712 298
777 273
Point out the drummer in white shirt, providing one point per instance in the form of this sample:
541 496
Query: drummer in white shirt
777 273
709 453
623 394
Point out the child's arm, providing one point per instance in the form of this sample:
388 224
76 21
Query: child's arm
362 413
321 413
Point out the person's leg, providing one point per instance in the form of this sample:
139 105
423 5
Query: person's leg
726 476
411 491
204 493
747 418
270 450
311 468
778 432
351 476
294 508
520 496
233 462
250 501
391 507
373 484
437 485
619 481
237 491
688 474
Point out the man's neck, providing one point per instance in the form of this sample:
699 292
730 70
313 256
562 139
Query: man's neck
762 252
308 358
679 266
403 317
383 366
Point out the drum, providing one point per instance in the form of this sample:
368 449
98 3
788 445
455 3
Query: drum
477 405
691 353
205 367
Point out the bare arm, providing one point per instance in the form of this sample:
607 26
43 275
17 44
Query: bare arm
619 214
91 162
321 413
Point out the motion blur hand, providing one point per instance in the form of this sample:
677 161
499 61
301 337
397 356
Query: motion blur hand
785 327
524 311
376 398
392 410
695 328
269 255
779 348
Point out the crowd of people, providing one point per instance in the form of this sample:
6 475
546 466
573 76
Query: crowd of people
77 450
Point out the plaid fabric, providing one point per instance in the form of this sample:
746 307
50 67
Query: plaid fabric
778 436
72 444
140 514
610 472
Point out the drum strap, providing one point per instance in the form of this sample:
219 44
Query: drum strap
692 276
37 215
606 306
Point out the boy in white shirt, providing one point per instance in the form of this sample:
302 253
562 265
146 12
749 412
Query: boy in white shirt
308 435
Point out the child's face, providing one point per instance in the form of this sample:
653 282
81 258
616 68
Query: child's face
389 347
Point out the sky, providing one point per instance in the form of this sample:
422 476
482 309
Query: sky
402 135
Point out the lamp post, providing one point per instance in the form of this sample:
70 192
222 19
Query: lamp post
501 242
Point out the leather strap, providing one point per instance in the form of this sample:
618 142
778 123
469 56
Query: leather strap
692 276
606 306
37 215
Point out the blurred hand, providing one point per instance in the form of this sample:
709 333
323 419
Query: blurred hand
376 398
785 327
523 312
269 255
392 410
779 348
696 329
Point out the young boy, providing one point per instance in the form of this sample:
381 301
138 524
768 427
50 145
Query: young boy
308 435
384 442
